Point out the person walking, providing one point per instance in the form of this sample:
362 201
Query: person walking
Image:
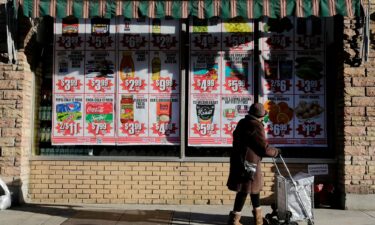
245 175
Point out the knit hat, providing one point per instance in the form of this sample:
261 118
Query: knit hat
257 110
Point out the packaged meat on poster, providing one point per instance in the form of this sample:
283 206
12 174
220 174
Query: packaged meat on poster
100 72
276 72
204 72
165 72
133 34
133 118
164 118
279 120
69 72
69 34
205 34
310 114
238 34
67 123
309 34
237 73
277 34
99 118
310 72
100 34
165 34
133 72
204 119
233 109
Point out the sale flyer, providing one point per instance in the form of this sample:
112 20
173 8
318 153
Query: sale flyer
237 73
238 34
205 34
134 34
276 72
69 33
204 120
69 72
165 71
133 72
67 123
233 109
310 72
99 118
204 72
309 34
165 34
100 34
133 118
164 118
277 34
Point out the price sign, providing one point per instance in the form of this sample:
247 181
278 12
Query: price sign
229 128
99 84
279 41
309 129
205 85
278 86
235 85
205 129
133 84
69 84
99 128
206 41
278 130
164 41
133 41
164 129
68 128
310 42
309 86
133 128
164 84
237 40
69 42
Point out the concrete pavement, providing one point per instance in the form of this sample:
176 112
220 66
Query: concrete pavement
49 214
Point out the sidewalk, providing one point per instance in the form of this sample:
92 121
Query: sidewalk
38 214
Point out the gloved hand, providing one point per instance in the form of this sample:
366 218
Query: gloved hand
278 152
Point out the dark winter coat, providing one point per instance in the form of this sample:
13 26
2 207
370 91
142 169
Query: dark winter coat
249 142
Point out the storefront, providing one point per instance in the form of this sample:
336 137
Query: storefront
136 101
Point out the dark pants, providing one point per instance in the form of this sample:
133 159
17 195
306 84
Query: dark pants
241 198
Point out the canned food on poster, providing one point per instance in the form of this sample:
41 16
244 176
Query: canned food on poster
165 70
70 33
133 72
133 33
165 34
101 33
205 73
238 77
238 34
205 34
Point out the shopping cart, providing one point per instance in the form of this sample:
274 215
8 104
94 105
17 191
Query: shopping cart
294 199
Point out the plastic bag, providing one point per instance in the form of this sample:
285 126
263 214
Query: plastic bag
5 200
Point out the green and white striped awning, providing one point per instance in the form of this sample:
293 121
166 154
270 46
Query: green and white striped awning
184 8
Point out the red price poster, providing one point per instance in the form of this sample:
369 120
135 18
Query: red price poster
277 72
205 34
165 70
67 123
69 34
310 72
100 34
134 34
204 120
238 34
310 123
164 119
204 72
69 72
309 34
133 72
277 34
279 121
100 72
237 73
233 109
99 119
165 34
133 119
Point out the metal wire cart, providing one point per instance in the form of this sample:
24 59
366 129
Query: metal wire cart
294 198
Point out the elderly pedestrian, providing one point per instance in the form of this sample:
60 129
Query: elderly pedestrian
245 175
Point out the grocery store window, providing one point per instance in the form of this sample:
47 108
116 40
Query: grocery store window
137 87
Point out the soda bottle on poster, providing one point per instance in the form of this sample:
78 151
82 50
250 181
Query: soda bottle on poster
156 67
126 66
